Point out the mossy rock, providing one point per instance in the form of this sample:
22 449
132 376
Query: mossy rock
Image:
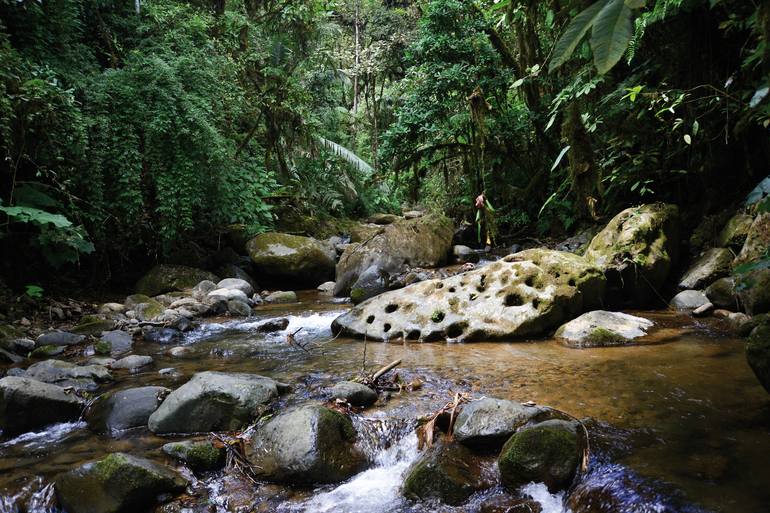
103 347
291 259
167 277
637 250
7 335
734 233
93 325
198 455
119 483
757 241
758 354
47 351
548 452
149 310
448 472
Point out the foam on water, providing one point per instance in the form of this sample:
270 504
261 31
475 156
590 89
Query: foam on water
35 497
549 502
51 435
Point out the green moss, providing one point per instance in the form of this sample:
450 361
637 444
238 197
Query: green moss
46 351
604 337
357 295
437 316
93 325
103 347
197 455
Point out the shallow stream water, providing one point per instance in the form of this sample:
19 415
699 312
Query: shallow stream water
677 425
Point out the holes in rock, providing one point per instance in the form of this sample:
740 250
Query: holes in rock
535 303
455 330
473 297
529 281
439 285
480 288
370 319
437 316
571 282
452 289
386 327
513 299
413 335
391 308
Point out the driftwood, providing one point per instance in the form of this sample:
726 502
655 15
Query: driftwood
426 432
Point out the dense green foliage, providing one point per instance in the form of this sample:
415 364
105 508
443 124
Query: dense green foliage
128 135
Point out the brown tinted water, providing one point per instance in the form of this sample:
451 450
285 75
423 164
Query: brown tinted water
681 421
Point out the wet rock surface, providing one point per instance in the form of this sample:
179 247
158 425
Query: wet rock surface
712 264
199 455
487 423
302 260
27 405
115 412
601 329
354 393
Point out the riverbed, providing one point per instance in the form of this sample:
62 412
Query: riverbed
677 424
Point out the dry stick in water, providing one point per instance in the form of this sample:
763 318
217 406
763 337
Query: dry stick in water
389 367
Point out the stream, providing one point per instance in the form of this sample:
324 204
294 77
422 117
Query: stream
676 425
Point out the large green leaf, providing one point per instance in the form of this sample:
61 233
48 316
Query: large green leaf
35 215
575 32
346 155
612 30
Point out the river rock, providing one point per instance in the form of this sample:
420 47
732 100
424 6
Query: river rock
27 404
754 291
237 284
213 401
149 311
354 393
601 329
689 300
199 455
281 297
118 483
548 452
161 335
115 412
758 353
298 260
238 308
489 422
114 343
420 242
305 445
59 338
47 351
734 234
93 325
509 504
464 254
326 287
372 282
202 289
447 472
67 374
272 325
235 271
524 294
637 250
133 362
225 295
383 219
166 278
757 240
722 293
711 265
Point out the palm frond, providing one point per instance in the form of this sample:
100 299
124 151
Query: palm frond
346 155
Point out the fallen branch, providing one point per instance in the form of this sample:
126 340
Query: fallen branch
389 367
426 432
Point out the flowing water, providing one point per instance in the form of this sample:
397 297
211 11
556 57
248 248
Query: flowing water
677 425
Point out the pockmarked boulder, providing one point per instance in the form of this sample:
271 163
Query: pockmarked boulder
601 329
301 261
420 242
489 422
637 250
166 278
711 265
524 294
213 401
27 404
447 472
758 354
119 483
306 445
115 412
549 452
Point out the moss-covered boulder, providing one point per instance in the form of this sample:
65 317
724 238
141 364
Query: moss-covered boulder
601 329
8 334
722 293
166 278
199 455
299 261
758 353
306 445
447 472
757 241
421 242
93 325
119 483
637 250
714 263
524 294
549 452
754 291
735 231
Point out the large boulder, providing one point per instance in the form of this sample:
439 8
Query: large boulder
757 240
754 291
119 483
601 329
421 242
489 422
67 374
711 265
115 412
306 445
637 250
689 300
758 353
524 294
166 278
27 404
301 261
722 293
59 338
549 452
734 233
447 472
213 401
